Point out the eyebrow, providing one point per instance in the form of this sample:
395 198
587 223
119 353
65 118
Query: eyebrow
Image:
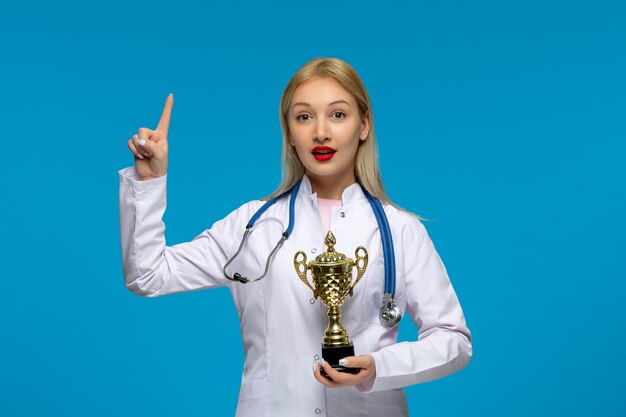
301 103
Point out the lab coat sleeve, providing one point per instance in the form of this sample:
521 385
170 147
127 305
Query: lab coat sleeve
150 267
444 343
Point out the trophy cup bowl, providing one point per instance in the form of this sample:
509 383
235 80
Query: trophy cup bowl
332 282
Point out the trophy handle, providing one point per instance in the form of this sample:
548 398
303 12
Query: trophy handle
359 259
301 268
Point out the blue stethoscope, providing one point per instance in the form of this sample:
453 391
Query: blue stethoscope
390 315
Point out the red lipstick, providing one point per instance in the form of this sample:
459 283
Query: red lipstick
323 153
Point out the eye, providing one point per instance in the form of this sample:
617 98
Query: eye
303 117
338 115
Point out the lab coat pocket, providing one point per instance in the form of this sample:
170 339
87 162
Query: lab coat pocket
387 403
252 398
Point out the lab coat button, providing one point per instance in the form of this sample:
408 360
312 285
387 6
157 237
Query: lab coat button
342 214
313 250
318 411
316 357
312 301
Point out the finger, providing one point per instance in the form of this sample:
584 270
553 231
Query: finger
164 122
338 377
144 134
151 148
134 150
322 379
355 362
347 379
138 145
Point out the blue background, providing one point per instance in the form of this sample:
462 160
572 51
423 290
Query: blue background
502 121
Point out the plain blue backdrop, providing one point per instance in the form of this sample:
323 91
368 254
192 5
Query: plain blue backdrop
504 122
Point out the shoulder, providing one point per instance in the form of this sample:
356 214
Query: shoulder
408 231
410 238
246 210
404 221
240 216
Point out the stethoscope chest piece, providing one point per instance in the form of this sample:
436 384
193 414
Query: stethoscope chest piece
390 314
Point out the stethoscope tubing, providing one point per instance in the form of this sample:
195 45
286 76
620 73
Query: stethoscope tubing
388 250
292 214
292 209
390 314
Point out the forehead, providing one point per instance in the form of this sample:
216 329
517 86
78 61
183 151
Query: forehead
321 91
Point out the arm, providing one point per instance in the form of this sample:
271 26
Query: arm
444 342
150 267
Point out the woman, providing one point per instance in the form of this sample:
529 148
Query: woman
329 144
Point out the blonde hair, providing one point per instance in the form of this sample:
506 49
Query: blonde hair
366 167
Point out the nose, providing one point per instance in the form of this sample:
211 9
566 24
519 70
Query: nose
321 133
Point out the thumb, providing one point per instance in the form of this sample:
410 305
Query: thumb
155 150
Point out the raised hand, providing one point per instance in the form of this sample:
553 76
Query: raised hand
150 146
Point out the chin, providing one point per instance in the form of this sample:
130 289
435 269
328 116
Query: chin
330 172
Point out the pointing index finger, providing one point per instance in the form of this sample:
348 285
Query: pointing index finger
164 122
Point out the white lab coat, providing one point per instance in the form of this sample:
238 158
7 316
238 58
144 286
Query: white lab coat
280 326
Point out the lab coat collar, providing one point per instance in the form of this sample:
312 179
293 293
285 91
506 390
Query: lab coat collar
353 194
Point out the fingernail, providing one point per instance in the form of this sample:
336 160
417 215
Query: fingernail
171 94
140 156
141 142
147 154
322 362
343 362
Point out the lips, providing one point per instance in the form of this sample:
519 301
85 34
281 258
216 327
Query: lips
323 153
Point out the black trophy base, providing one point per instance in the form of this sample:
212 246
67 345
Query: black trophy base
333 354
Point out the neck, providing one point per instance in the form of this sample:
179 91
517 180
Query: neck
330 188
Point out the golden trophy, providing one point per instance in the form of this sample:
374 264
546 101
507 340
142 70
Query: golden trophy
332 282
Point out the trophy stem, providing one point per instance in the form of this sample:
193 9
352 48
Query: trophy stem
337 344
336 334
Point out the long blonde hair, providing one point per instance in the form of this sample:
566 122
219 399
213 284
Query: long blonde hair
366 168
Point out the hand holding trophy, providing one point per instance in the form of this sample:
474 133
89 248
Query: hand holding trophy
332 282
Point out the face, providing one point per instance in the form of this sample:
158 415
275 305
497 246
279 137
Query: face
326 129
